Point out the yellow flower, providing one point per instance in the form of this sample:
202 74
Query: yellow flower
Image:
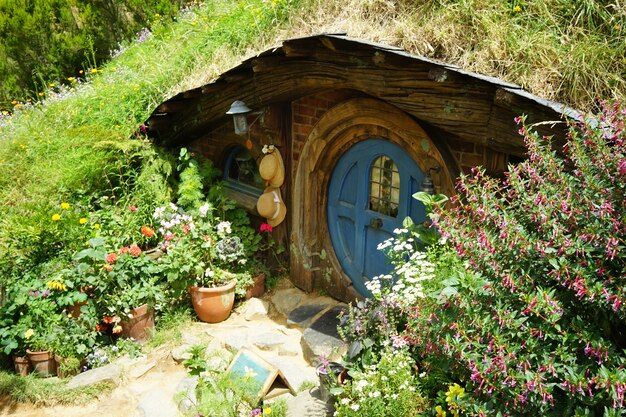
82 220
69 315
454 391
96 226
440 412
517 8
56 217
29 333
65 206
40 94
267 411
56 285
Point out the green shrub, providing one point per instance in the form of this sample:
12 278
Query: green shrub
389 387
536 325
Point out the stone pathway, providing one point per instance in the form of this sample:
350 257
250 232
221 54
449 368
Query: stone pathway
288 328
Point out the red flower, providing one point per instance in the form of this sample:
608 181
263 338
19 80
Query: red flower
132 208
135 250
111 258
266 227
100 328
108 267
123 250
110 319
147 231
186 228
117 329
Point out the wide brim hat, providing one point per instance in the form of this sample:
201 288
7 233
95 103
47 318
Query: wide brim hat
272 168
270 205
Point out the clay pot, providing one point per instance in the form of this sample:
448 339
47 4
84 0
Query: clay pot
43 362
257 289
213 304
22 365
140 327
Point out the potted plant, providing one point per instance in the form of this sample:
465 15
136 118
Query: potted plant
332 376
205 256
73 339
133 290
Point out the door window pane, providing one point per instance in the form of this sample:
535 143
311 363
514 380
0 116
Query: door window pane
384 187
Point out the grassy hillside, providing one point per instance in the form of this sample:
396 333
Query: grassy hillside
42 42
81 143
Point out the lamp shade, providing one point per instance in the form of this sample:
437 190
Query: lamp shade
239 111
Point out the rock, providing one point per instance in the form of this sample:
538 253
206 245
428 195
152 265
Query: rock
269 341
237 339
303 316
186 391
107 374
287 300
181 353
140 369
308 404
322 337
255 309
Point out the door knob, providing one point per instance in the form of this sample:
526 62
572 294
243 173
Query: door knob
376 223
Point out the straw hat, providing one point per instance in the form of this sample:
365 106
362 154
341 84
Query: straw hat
270 205
272 168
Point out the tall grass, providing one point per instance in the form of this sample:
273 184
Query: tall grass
573 51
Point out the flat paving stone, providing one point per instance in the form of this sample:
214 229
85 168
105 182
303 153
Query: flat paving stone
322 337
303 316
286 300
109 373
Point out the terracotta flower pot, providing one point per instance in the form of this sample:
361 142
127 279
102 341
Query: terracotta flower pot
43 362
22 365
213 304
141 325
258 288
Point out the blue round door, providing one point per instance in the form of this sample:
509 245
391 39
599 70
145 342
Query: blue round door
369 195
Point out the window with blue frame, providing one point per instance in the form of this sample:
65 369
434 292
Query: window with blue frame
241 172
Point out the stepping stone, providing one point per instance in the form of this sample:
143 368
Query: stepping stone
322 337
303 316
141 369
269 341
287 300
107 374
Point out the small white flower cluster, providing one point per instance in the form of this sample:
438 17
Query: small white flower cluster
223 228
268 149
404 285
169 217
380 385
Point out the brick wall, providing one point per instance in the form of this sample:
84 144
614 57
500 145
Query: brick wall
467 155
306 112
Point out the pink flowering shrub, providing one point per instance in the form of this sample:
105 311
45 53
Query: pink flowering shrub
536 324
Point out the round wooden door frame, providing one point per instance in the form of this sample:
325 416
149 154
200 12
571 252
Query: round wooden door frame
337 130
